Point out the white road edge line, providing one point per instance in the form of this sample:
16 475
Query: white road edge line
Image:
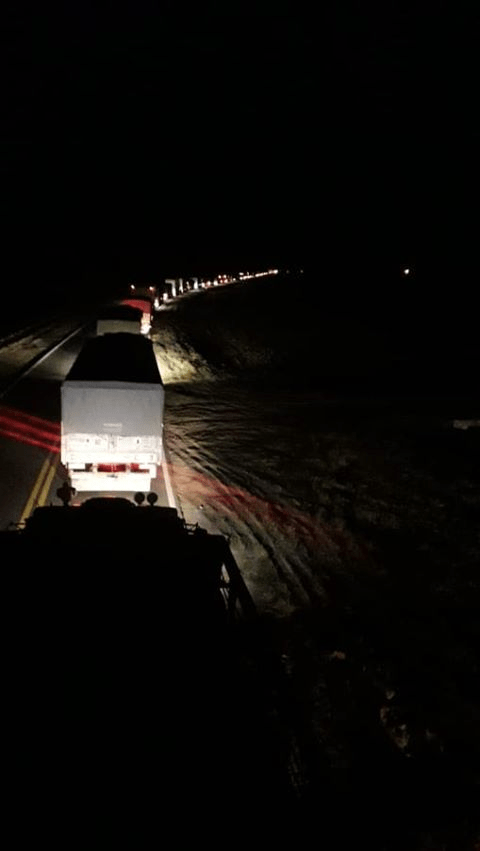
168 482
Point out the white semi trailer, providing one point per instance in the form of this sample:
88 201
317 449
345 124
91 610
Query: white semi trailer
112 404
120 318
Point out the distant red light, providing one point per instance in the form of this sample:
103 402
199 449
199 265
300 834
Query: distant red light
143 304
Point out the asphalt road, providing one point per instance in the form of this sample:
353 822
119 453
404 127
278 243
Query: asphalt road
30 415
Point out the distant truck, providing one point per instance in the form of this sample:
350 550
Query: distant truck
120 318
112 403
145 306
148 291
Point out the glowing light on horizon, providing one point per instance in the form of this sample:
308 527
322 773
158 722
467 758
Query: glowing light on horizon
246 276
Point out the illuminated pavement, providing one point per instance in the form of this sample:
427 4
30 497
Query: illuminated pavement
30 466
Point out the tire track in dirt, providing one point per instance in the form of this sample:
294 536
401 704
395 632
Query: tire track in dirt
238 501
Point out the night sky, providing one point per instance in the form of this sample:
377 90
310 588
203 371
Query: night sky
148 138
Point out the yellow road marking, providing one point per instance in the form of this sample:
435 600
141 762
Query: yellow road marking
48 481
45 475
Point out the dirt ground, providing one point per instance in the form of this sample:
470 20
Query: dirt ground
324 445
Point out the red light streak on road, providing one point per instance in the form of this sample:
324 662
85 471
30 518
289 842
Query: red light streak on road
26 428
280 519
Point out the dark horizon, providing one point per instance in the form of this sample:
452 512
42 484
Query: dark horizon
155 141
